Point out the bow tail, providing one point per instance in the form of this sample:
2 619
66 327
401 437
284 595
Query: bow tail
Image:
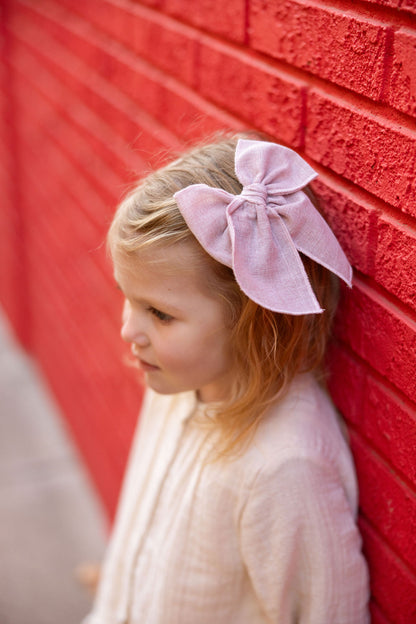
267 265
313 237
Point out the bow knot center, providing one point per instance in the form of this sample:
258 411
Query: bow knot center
255 193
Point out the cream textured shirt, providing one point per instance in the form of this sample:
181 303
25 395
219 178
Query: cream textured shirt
267 537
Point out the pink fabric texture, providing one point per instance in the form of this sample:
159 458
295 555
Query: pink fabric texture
260 232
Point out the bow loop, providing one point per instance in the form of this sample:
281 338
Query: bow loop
260 232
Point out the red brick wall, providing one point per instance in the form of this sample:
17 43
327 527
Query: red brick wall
96 92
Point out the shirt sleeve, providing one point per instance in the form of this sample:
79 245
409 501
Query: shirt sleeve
301 547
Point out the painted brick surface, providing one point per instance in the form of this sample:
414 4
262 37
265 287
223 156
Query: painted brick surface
356 230
408 5
386 502
95 94
151 35
251 89
402 87
389 422
224 18
371 151
402 5
385 419
341 47
389 350
395 259
392 582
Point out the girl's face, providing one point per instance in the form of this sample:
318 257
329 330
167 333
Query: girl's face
178 332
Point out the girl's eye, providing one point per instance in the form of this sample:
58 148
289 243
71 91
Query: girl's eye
160 315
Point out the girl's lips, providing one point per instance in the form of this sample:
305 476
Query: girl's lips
145 366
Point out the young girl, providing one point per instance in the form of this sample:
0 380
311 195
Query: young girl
240 499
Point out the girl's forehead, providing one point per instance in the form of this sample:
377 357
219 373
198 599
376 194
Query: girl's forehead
176 267
168 259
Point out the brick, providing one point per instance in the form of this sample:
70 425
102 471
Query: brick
153 3
402 86
79 407
341 47
402 5
385 501
372 152
136 84
223 18
393 584
179 110
389 424
395 259
97 148
252 90
175 52
377 616
182 115
136 28
73 47
65 221
144 87
352 221
190 116
78 325
381 416
88 166
85 338
127 122
346 384
408 5
394 4
112 17
380 334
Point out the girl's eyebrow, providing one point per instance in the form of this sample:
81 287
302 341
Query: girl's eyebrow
168 307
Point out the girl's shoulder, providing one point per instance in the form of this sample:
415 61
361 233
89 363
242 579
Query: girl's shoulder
303 430
303 422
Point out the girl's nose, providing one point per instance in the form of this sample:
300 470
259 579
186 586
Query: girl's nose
132 329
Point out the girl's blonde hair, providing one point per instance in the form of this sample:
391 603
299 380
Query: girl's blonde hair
269 348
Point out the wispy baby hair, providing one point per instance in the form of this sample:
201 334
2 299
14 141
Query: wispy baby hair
269 348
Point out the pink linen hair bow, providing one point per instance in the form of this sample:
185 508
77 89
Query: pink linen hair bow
259 232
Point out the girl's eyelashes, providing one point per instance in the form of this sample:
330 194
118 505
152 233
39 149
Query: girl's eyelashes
162 316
